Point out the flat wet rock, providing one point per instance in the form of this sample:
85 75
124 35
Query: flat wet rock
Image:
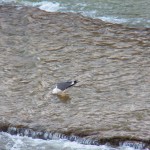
39 49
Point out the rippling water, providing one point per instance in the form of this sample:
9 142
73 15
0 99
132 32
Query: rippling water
111 62
129 12
15 142
10 142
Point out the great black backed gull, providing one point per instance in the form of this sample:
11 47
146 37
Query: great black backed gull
60 87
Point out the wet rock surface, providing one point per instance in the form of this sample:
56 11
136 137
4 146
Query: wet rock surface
112 63
113 142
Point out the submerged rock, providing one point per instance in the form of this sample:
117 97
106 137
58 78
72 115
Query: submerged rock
111 62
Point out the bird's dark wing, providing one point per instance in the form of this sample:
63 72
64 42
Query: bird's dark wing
64 85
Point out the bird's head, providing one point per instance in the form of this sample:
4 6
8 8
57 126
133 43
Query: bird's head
75 81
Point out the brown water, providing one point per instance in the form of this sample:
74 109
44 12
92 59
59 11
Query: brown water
111 62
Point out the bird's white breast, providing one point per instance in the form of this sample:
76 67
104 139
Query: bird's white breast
56 90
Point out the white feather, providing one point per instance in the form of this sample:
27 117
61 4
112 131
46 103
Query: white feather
72 83
56 91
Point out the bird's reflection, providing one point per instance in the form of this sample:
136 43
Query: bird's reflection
64 97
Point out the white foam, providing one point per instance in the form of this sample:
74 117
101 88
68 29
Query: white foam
49 6
113 19
76 146
43 5
15 142
7 1
85 8
91 13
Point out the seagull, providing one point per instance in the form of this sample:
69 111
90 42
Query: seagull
61 87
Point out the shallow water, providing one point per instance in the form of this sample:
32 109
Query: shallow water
129 12
39 49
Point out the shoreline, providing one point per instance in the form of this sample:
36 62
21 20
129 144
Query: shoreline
54 135
31 36
140 22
